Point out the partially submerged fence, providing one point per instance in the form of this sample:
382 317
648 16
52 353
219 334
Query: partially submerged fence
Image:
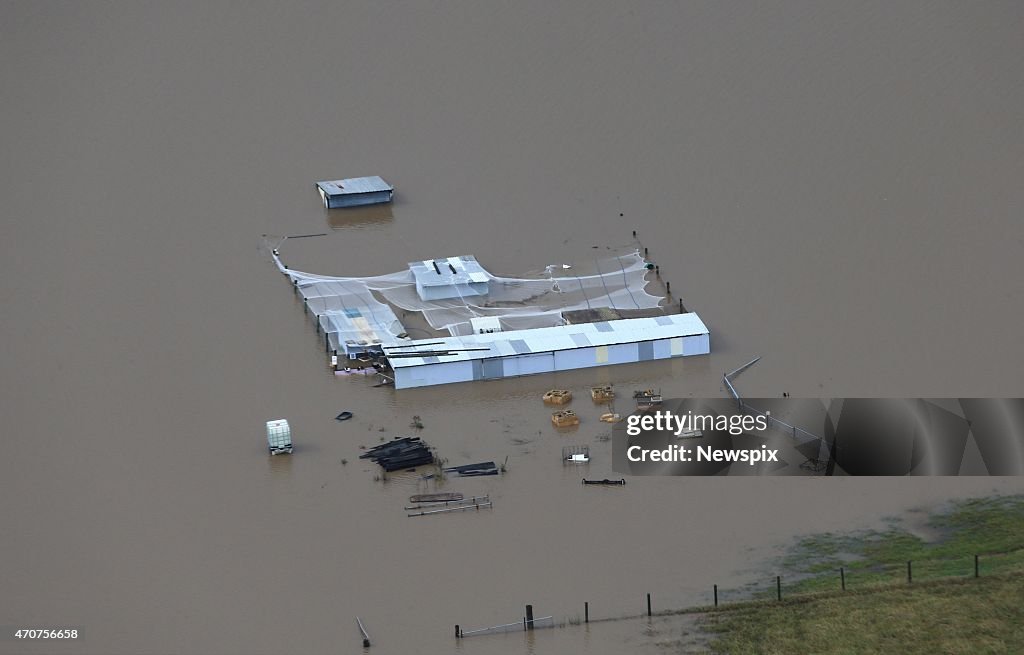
518 626
876 578
801 436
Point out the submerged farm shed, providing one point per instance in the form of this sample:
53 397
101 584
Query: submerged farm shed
492 356
352 320
355 191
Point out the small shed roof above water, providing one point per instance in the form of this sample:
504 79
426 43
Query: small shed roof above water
371 184
541 340
447 271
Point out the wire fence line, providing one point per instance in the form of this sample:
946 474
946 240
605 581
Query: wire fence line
820 463
518 626
876 578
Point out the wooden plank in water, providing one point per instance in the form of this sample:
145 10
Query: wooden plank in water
475 500
435 498
460 508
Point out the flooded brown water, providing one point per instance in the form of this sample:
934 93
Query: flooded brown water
835 188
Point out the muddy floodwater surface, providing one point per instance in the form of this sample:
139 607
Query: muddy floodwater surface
833 187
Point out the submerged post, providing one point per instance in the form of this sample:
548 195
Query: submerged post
648 604
529 617
586 612
910 577
366 635
457 635
668 288
842 578
778 586
716 595
975 566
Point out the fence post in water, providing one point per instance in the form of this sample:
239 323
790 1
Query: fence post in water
364 633
716 595
668 288
648 604
975 566
842 578
910 577
457 631
778 586
586 612
529 617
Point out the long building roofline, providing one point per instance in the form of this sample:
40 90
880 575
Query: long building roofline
403 354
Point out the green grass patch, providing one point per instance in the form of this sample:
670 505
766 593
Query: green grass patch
983 615
945 610
992 528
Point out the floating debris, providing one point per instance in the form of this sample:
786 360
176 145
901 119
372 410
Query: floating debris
416 423
348 370
475 500
459 508
602 394
647 398
400 453
474 470
443 497
576 454
610 417
279 437
606 482
558 396
344 416
565 418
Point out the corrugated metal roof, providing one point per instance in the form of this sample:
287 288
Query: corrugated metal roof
548 339
359 326
370 184
449 270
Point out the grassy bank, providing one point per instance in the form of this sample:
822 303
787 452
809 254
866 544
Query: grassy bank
945 610
984 615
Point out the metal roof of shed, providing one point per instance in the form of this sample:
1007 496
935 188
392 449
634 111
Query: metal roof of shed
542 340
466 270
371 184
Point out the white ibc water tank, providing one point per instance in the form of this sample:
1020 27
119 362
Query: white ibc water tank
279 436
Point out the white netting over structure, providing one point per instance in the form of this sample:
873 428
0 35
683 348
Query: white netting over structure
356 312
